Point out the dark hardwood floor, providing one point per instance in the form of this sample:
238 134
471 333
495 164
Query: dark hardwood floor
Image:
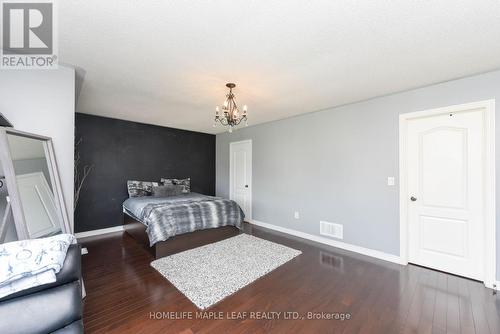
380 297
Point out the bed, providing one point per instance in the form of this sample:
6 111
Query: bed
168 225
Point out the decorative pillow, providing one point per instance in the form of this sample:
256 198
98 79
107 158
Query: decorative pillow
167 190
186 183
140 188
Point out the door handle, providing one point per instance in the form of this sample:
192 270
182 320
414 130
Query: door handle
413 199
246 185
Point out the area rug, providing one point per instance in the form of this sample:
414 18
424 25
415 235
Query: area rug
210 273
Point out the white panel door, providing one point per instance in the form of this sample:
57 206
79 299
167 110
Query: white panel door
445 184
38 204
241 176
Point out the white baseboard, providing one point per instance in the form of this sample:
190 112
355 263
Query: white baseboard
98 232
495 285
334 243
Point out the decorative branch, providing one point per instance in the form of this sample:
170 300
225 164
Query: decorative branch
80 177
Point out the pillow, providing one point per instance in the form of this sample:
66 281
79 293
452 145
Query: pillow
140 188
167 190
186 183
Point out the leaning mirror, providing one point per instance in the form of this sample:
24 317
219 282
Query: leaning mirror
31 175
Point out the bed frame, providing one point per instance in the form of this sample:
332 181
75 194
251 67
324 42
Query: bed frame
179 243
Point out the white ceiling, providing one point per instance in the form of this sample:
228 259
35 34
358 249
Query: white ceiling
166 62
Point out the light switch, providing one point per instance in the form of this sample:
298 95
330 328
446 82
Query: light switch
391 181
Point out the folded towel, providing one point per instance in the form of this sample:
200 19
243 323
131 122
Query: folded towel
29 263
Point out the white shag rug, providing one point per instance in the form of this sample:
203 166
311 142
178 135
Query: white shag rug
210 273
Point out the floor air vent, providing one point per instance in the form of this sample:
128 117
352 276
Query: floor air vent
331 229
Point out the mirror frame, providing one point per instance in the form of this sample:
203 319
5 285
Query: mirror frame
11 181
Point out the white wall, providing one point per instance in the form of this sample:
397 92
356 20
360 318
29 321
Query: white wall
43 102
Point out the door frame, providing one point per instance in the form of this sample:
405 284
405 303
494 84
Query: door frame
489 238
248 216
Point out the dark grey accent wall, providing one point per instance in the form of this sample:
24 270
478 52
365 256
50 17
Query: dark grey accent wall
122 150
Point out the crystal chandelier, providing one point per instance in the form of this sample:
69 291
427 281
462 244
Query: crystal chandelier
229 114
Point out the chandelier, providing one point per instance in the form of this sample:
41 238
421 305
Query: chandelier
229 114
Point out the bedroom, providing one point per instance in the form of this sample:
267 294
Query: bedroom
226 167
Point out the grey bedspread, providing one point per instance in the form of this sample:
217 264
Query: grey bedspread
166 217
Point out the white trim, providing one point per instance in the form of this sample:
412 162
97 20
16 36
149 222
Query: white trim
57 186
99 232
231 144
489 181
330 242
